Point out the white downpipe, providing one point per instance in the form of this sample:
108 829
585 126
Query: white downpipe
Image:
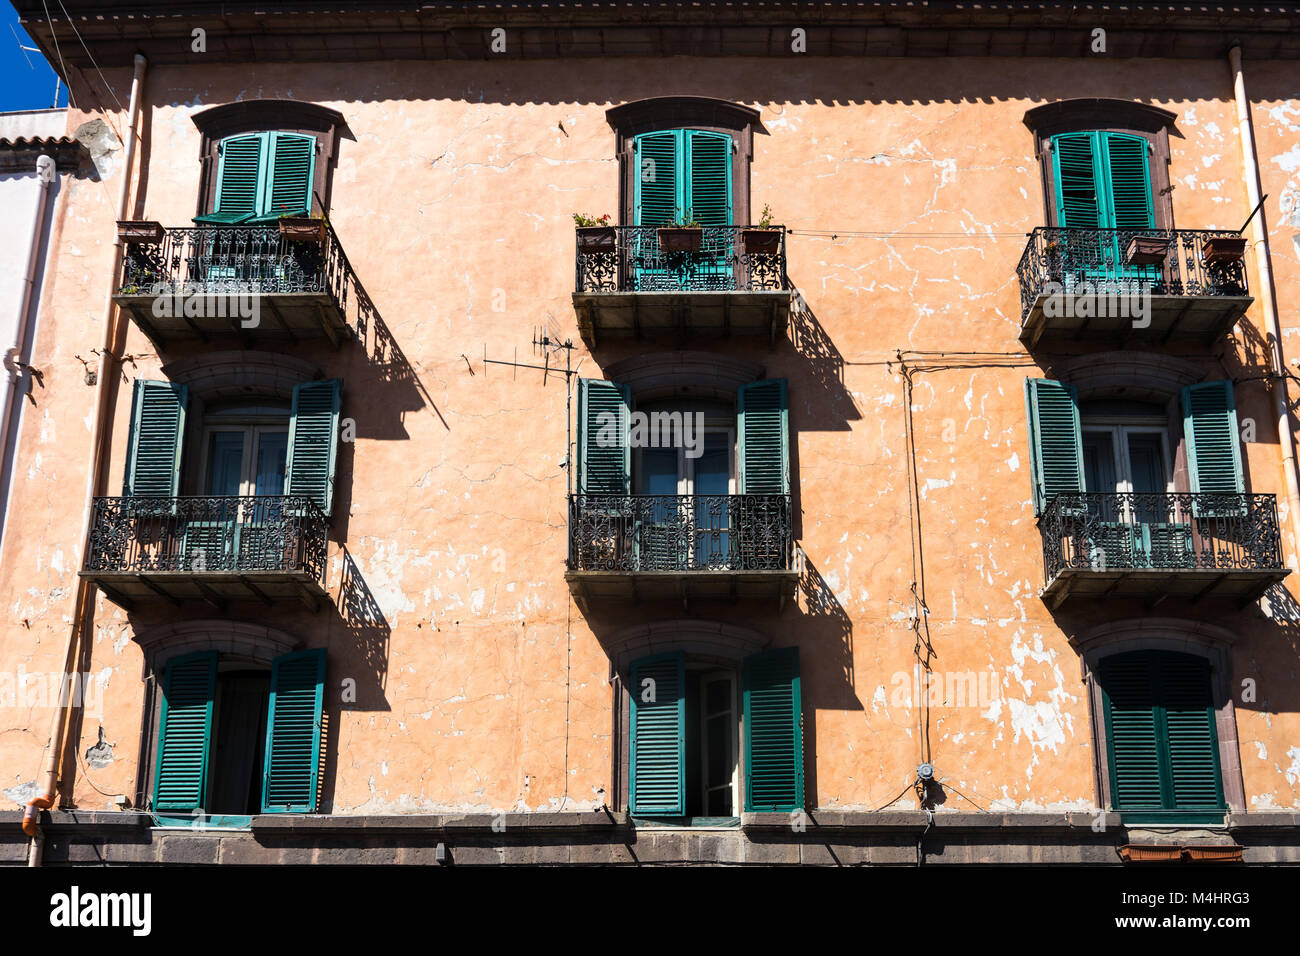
1266 297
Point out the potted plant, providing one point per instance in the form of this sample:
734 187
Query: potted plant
1223 250
684 235
762 238
297 228
138 231
1147 250
594 235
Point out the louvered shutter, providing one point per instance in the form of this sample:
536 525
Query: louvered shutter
1078 200
1210 427
1190 732
657 775
1129 691
604 456
185 729
313 441
153 457
773 732
293 732
291 164
1055 442
657 178
240 179
763 419
1129 181
709 177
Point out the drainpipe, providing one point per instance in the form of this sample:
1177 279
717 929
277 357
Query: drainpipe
1267 298
84 604
10 393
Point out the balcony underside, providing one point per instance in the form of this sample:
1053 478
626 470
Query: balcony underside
603 315
281 316
684 586
1199 318
216 588
1241 585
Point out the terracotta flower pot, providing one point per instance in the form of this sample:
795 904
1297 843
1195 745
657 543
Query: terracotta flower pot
762 241
1147 251
302 229
596 239
673 239
1150 853
1216 853
136 231
1223 250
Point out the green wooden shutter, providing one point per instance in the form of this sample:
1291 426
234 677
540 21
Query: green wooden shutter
293 732
1128 180
1189 729
1210 427
604 455
709 177
1055 442
1132 744
763 418
313 441
1078 199
153 456
659 168
773 732
240 179
291 165
657 775
185 729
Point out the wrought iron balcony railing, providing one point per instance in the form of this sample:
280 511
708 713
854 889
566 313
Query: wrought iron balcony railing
1162 262
723 259
638 533
1160 532
208 536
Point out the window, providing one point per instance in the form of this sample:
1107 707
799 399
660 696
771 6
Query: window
234 740
245 450
1162 746
683 174
261 177
686 731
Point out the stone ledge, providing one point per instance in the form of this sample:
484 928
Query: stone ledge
1265 820
438 822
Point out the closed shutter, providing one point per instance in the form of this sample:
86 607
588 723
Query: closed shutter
658 170
1210 427
185 728
764 444
709 178
1129 181
1189 728
773 732
291 165
240 179
293 732
604 456
153 456
1128 685
313 441
658 761
1055 442
1078 203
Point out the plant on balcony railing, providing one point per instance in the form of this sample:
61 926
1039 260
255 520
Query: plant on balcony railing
1176 531
722 261
1180 262
202 535
631 533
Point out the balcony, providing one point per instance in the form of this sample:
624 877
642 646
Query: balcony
1156 546
680 547
1122 285
631 284
200 282
215 549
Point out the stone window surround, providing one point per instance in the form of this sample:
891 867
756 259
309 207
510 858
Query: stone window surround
694 374
255 116
1110 115
1166 634
685 112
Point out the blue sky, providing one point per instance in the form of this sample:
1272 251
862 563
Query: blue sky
26 80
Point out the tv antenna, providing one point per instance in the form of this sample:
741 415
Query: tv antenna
547 344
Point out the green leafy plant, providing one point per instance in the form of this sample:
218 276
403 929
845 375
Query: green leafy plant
687 221
765 222
584 221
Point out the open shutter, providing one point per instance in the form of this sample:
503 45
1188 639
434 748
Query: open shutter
240 175
185 727
1129 178
709 177
1078 203
153 455
293 732
604 455
1210 427
1132 742
657 775
773 732
764 437
1055 442
1189 729
291 164
313 441
657 178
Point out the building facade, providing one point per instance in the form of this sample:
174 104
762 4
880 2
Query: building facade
895 475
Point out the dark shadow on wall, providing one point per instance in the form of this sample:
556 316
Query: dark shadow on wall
825 402
365 658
